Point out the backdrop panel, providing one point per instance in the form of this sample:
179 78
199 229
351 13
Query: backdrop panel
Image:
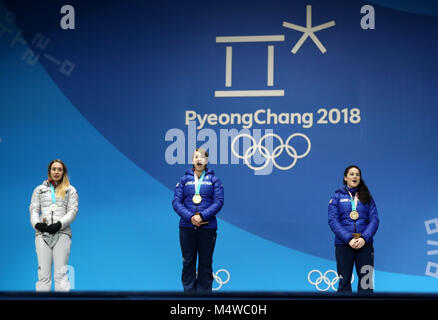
126 96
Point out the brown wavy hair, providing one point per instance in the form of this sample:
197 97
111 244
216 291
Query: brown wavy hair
364 194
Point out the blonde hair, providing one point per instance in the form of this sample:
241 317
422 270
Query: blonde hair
64 183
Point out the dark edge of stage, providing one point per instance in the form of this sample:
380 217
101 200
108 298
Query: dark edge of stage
234 295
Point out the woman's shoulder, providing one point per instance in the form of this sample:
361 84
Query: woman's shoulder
339 193
183 179
42 187
334 197
212 174
215 179
70 189
188 173
186 176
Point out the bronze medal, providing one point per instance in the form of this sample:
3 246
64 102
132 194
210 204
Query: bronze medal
354 215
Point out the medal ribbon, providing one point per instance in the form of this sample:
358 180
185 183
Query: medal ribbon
353 202
52 190
199 181
51 239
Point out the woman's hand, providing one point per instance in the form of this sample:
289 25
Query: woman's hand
353 243
196 220
357 243
360 243
54 228
41 227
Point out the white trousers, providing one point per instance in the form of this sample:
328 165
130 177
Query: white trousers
59 257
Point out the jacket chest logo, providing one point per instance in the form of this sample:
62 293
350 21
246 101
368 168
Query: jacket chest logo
203 183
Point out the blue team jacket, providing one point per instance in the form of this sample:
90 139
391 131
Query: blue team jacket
212 193
343 226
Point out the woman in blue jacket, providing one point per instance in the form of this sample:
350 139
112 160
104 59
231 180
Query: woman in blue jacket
198 197
352 216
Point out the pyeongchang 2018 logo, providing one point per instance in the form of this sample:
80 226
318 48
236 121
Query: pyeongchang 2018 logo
308 32
261 150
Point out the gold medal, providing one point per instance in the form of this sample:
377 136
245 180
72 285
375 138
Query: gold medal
197 199
354 215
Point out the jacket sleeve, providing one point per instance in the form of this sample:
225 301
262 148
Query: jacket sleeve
72 208
371 229
178 202
218 201
35 207
333 220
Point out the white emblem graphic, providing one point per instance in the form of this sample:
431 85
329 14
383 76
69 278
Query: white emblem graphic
432 228
323 277
229 63
264 152
308 31
219 280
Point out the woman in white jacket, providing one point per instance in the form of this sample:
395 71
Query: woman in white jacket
53 208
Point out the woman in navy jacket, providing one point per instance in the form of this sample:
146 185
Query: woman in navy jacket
352 216
198 197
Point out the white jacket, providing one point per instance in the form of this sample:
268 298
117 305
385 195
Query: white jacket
66 210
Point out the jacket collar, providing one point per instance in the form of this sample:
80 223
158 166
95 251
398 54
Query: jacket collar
344 190
191 172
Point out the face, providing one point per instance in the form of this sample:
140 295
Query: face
199 161
56 171
353 178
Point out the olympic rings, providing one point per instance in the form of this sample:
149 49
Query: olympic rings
327 281
219 279
264 152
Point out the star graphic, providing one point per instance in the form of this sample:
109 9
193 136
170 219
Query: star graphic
308 31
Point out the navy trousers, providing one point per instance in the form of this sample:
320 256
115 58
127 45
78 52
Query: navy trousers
197 242
346 258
